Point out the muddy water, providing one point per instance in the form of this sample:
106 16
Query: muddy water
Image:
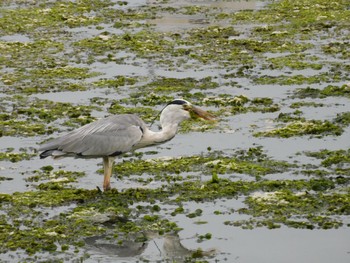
227 243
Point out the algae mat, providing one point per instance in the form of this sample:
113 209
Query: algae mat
270 177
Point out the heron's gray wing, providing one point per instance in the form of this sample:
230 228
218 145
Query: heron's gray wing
109 136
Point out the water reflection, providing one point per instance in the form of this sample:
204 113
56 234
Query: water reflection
148 245
107 246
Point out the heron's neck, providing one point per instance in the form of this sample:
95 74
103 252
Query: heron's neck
167 133
150 138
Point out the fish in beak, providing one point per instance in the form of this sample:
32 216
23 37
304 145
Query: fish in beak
199 113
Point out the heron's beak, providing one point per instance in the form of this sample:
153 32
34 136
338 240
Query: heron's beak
197 112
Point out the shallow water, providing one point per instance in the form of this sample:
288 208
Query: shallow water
234 132
175 22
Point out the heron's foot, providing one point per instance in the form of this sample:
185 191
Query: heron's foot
104 189
107 186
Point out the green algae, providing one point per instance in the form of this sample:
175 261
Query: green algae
283 199
255 165
206 236
343 119
43 60
63 72
149 99
205 45
330 90
281 207
226 100
289 29
171 85
39 67
51 16
333 164
30 117
39 53
3 178
315 128
329 158
307 19
53 180
49 198
296 125
14 157
240 104
296 62
215 39
49 79
297 105
70 227
337 49
147 114
16 127
299 79
116 82
144 43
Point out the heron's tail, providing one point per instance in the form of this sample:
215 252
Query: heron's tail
46 154
54 153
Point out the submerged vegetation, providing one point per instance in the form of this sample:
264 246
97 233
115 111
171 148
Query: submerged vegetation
303 127
330 90
276 73
85 213
311 200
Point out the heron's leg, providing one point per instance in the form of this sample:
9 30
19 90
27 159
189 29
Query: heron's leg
107 166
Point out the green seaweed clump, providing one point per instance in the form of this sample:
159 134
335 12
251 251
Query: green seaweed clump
329 158
146 114
295 61
29 117
328 91
253 162
298 79
343 118
168 85
316 128
240 104
14 157
53 179
283 207
299 104
116 82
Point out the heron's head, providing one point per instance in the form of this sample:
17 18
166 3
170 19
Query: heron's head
179 110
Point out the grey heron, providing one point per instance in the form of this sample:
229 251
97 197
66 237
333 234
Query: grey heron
117 134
